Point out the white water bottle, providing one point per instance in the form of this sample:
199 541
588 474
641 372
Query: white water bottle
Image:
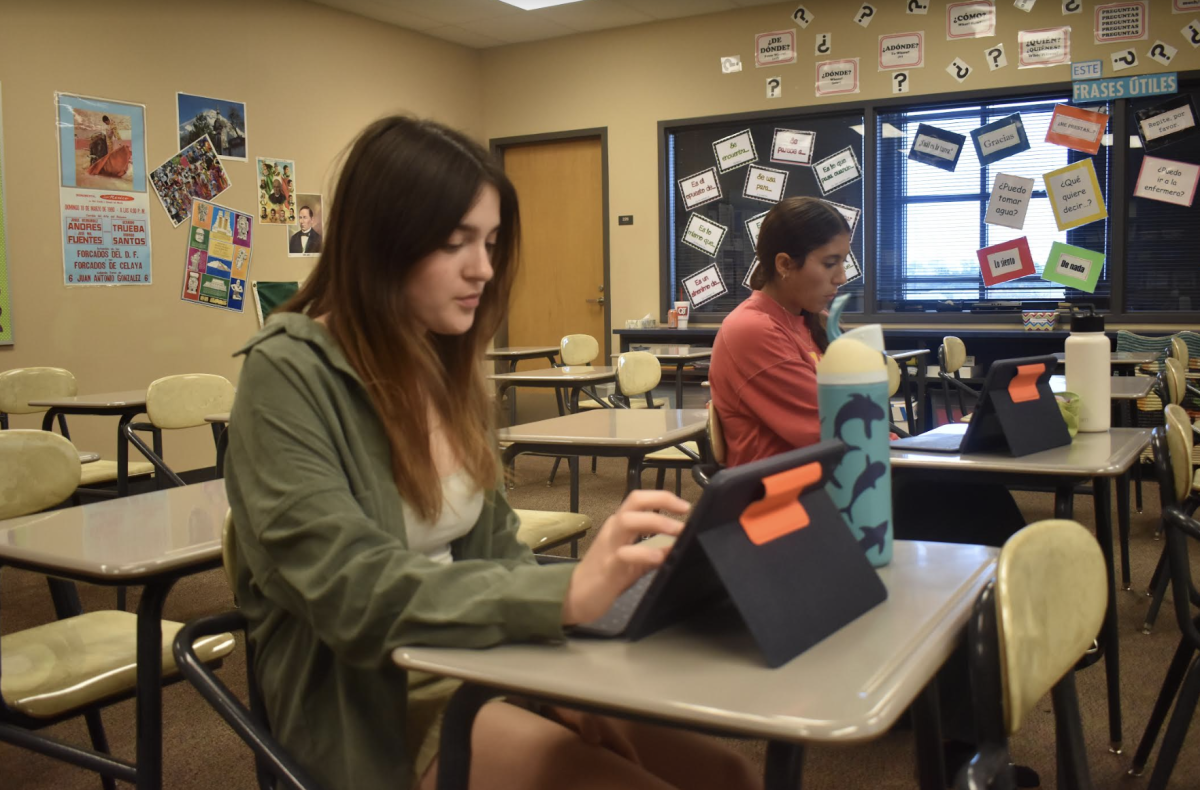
1089 369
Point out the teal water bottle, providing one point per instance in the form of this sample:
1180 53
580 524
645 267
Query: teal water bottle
852 398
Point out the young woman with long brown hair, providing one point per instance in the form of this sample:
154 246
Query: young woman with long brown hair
364 484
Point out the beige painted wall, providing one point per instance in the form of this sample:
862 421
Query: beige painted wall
630 78
120 338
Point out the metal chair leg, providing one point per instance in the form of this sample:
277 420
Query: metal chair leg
554 471
660 479
99 743
1181 719
1161 584
1170 688
1073 766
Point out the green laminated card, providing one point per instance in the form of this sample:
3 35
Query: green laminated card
1073 266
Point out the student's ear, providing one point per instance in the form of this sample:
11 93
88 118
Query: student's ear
784 264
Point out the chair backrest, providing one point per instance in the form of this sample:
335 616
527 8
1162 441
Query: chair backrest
1179 444
21 385
716 436
893 371
1179 351
38 469
953 354
228 549
1051 595
1179 527
578 349
638 372
184 401
1176 377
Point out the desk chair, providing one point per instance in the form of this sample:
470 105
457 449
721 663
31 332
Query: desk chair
1181 686
952 355
272 763
638 373
577 349
175 402
893 371
21 385
1176 420
82 662
542 530
1029 628
1147 412
715 438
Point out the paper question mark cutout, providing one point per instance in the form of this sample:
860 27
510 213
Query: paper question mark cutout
995 54
1130 57
865 13
1124 60
800 16
900 82
1071 6
962 70
823 44
1158 51
1195 37
915 6
773 84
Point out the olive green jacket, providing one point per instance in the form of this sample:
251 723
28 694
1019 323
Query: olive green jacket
323 573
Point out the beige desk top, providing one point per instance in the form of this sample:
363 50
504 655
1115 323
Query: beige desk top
222 417
1123 387
553 377
851 687
108 400
88 457
674 353
521 352
125 539
1089 455
1121 357
910 353
612 428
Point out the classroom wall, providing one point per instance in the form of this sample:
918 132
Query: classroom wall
310 76
629 79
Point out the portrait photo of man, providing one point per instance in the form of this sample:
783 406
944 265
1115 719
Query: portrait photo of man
304 238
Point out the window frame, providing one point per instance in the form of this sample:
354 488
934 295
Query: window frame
1115 241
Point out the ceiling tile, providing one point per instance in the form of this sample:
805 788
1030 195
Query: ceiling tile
384 11
523 26
594 15
457 12
459 35
672 9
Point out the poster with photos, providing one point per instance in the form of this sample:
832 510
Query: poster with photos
276 191
218 256
305 236
223 121
194 173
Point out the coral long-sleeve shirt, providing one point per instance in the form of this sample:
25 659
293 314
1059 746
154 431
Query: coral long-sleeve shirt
763 376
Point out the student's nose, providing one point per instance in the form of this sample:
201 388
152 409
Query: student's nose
479 267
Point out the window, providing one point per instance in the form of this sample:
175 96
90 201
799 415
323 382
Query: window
1161 272
689 150
930 222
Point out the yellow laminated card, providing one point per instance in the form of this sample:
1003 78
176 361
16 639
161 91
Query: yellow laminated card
1075 195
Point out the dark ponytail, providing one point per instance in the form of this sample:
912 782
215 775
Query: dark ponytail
797 226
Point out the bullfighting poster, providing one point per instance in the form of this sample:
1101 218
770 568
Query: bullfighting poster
104 202
218 256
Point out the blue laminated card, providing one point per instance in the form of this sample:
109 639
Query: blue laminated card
937 147
1000 139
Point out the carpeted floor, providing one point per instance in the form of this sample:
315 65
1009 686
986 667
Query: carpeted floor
201 752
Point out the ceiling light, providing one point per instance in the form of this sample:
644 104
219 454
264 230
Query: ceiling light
533 5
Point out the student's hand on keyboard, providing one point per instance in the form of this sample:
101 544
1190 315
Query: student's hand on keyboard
615 560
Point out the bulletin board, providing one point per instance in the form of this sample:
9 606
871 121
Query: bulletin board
742 154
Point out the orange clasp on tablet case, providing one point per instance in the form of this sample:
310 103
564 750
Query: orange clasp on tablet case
779 512
1023 386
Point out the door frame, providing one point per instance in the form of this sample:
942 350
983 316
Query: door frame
497 145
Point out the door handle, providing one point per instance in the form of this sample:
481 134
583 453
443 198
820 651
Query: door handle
598 301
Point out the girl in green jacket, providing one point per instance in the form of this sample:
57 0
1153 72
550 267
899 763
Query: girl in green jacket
363 480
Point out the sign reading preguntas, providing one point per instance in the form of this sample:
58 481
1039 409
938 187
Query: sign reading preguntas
700 188
837 76
1121 22
1009 201
1167 181
836 171
1045 47
704 286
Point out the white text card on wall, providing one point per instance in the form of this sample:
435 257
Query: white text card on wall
775 48
764 183
1009 201
1043 47
734 151
704 234
704 286
850 213
836 171
700 188
1121 22
837 76
1167 180
1074 193
970 20
792 147
753 225
901 51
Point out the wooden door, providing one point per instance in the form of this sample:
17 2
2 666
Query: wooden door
560 280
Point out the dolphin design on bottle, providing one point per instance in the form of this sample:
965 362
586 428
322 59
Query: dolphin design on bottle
866 480
874 537
858 407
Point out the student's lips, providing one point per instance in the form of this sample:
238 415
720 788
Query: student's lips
469 302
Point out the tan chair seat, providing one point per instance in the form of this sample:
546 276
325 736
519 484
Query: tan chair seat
544 529
1196 481
636 402
60 666
672 454
99 472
